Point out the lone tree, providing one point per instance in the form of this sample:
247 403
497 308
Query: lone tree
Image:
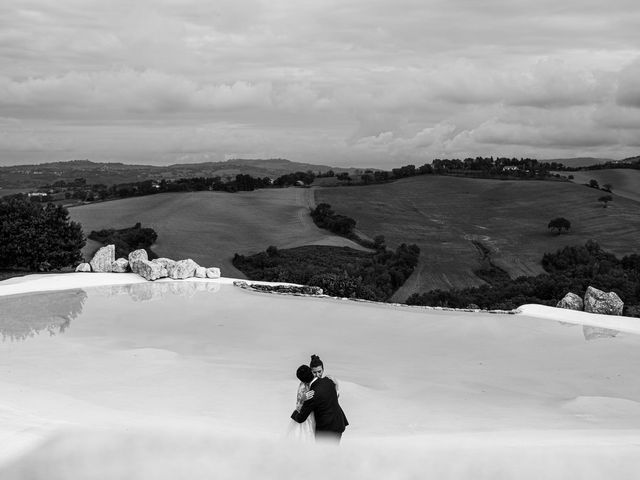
593 183
607 187
559 224
605 199
38 237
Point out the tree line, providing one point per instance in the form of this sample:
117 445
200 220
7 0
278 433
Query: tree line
629 163
339 271
324 217
79 190
570 269
484 167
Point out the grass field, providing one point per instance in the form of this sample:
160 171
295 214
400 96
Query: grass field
444 216
625 182
5 192
210 227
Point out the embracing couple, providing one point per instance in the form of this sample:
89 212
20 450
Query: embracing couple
318 413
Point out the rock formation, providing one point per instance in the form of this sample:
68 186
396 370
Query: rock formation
597 301
139 263
213 272
135 257
182 269
571 301
149 270
103 260
121 265
165 262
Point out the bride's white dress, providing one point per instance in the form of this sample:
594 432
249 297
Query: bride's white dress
305 431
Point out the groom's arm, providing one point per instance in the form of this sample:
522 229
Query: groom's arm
305 411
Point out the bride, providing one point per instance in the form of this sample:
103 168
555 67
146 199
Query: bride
306 430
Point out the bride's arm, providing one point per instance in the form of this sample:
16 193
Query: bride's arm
300 397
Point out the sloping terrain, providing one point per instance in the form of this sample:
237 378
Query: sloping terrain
455 221
33 176
210 227
625 182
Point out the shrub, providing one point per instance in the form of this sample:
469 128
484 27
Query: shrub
38 237
339 271
324 217
559 224
127 240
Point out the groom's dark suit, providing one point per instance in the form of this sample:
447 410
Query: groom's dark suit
329 415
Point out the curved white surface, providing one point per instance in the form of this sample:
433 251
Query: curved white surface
200 380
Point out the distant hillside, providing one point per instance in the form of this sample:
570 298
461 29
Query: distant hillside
578 162
209 227
624 182
460 222
33 176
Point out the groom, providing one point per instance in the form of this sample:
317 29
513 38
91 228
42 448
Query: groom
330 419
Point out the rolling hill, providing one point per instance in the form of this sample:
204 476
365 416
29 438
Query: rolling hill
33 176
625 181
578 161
210 227
455 220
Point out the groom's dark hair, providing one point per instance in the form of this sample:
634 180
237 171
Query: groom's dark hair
304 374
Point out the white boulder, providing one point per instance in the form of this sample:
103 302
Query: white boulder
150 270
571 301
213 272
182 269
121 265
103 260
165 262
135 257
597 301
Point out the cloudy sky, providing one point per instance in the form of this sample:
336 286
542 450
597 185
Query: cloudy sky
341 82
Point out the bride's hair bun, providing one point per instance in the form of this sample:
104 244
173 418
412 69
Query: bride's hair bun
316 362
